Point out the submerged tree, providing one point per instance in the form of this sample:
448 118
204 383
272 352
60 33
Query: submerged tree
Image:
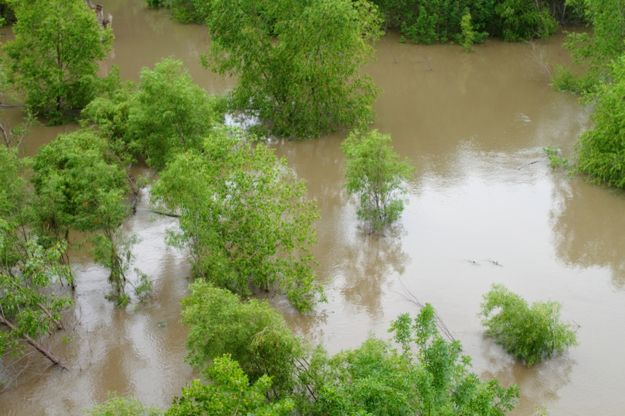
80 187
164 114
244 217
29 304
54 56
376 174
530 333
297 62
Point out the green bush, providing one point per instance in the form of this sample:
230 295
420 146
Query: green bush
430 21
529 333
252 332
601 151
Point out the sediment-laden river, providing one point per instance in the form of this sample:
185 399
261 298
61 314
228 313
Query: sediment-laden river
484 208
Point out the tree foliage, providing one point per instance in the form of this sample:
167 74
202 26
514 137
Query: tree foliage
252 332
244 217
30 306
297 62
54 56
431 21
228 393
376 174
429 376
164 114
530 333
595 50
601 150
80 186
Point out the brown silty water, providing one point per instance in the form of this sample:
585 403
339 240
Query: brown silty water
484 208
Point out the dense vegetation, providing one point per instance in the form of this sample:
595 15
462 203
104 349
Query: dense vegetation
375 173
54 57
297 63
244 215
530 333
427 375
601 53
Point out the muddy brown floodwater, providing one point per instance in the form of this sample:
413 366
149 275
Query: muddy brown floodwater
484 208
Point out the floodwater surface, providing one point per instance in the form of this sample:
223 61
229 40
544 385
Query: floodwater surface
484 207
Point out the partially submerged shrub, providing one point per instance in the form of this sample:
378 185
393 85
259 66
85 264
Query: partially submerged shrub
529 333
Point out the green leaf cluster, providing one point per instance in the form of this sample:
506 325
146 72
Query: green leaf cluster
376 174
80 185
164 114
530 333
601 150
297 62
595 50
252 333
244 216
429 376
54 56
29 305
439 21
229 393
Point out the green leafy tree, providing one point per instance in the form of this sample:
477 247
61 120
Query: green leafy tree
54 56
244 217
430 21
376 174
228 393
80 186
164 114
530 333
252 332
468 35
122 406
601 150
429 376
595 50
298 63
30 306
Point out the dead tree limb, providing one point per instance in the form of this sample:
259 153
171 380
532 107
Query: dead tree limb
34 344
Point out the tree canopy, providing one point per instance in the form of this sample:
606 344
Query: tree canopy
80 186
165 113
252 332
375 173
54 56
297 62
244 217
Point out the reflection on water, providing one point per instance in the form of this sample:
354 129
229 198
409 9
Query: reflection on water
483 208
588 224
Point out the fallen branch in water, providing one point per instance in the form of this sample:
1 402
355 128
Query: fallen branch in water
165 214
34 344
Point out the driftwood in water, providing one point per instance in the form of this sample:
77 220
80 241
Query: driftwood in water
34 344
105 21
